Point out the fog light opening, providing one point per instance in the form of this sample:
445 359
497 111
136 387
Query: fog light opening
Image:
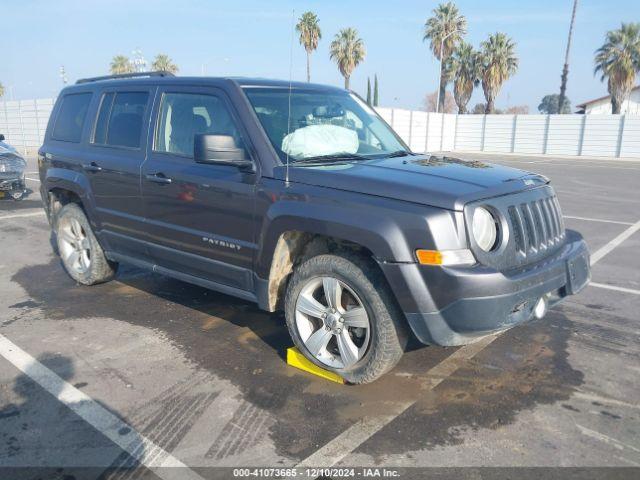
540 310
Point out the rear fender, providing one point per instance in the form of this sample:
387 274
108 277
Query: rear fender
60 178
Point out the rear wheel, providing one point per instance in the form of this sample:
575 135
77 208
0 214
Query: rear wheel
81 254
343 318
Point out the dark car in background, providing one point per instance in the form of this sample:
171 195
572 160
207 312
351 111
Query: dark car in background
299 197
12 167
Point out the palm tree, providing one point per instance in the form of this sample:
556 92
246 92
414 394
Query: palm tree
464 65
310 34
163 63
565 70
619 61
348 51
120 64
444 30
498 64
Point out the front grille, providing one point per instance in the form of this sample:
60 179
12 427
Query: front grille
537 225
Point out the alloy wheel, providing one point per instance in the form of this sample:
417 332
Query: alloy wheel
332 322
75 247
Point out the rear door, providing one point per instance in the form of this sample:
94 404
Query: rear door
199 216
117 149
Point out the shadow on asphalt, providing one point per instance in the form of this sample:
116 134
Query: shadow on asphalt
30 200
34 422
234 340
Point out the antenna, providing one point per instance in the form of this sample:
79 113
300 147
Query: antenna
293 20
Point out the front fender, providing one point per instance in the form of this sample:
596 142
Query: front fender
391 230
378 235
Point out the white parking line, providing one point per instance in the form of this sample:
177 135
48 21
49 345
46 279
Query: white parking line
609 247
606 439
33 179
597 220
22 215
613 287
354 436
139 447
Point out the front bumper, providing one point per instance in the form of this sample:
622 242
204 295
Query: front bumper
458 305
12 184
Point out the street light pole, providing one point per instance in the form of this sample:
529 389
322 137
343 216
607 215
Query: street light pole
440 76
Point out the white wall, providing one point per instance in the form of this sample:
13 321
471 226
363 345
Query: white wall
24 123
586 135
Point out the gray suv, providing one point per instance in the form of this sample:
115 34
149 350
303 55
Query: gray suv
299 197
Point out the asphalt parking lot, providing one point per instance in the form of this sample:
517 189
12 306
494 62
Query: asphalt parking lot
150 371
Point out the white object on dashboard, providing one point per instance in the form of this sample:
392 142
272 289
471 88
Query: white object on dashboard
316 140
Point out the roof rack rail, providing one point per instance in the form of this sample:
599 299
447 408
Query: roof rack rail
126 75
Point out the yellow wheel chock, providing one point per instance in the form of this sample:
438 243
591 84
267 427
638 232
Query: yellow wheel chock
298 360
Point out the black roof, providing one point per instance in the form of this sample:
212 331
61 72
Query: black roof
243 82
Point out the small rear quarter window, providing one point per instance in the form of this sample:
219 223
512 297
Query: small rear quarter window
70 119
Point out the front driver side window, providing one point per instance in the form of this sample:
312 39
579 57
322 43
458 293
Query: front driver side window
184 115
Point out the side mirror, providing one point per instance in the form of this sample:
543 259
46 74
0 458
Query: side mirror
1 137
220 150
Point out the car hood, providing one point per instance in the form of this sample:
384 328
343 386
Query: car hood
438 181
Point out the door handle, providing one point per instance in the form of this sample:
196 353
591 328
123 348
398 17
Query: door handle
92 167
158 178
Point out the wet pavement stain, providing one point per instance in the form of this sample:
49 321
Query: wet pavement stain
234 340
25 304
489 391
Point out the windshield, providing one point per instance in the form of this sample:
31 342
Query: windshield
322 125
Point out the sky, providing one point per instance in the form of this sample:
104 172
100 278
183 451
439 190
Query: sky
254 38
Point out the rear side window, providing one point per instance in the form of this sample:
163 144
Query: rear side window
120 119
70 118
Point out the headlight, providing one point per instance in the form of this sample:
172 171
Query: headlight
484 228
11 163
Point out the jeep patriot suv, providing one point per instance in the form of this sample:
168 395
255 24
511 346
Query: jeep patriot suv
299 197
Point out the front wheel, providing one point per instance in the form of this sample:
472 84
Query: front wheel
81 254
342 316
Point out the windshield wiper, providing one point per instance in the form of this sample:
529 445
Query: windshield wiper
331 157
398 153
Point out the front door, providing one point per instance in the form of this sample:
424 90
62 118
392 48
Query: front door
199 216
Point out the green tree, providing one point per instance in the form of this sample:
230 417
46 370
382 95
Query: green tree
347 50
1 90
479 109
368 91
375 91
444 30
498 64
565 69
550 104
618 60
120 64
163 63
310 35
464 65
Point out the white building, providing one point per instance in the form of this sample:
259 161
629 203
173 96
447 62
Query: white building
602 106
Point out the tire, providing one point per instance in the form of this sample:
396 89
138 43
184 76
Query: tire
378 346
81 254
